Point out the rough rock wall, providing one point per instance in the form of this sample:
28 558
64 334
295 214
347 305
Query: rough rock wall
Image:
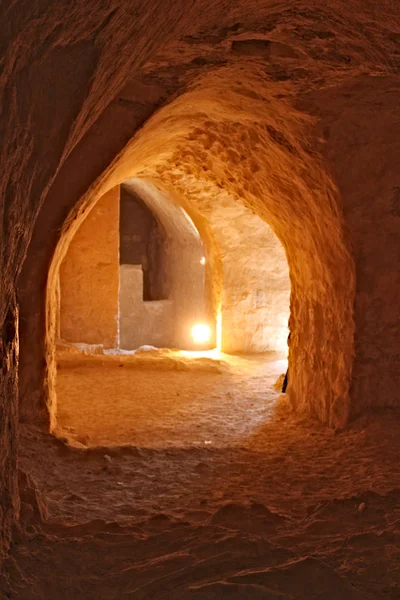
362 122
9 500
89 277
255 279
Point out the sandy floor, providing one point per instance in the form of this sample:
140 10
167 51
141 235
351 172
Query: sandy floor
159 409
275 506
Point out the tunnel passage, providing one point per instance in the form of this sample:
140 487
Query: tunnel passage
244 149
239 259
109 68
240 149
135 232
186 297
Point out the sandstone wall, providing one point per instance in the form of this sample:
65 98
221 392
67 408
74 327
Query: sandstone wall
9 500
256 285
362 123
89 278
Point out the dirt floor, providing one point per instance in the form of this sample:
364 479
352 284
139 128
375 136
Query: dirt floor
212 400
201 483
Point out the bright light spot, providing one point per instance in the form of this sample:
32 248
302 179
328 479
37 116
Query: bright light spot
203 260
201 333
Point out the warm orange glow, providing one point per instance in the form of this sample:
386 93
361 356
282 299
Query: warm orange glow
201 333
219 329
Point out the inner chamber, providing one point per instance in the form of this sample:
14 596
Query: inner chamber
166 334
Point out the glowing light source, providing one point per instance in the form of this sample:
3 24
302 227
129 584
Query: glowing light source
203 260
201 333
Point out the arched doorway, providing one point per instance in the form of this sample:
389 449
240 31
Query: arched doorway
234 281
249 150
134 275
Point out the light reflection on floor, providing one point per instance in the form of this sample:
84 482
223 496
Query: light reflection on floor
180 398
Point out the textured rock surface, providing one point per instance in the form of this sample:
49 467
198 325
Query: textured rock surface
9 500
238 81
267 520
89 278
255 282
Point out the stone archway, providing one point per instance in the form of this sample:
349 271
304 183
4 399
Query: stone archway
133 274
245 269
237 147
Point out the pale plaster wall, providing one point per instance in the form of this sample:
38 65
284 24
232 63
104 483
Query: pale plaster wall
142 323
185 276
256 285
89 277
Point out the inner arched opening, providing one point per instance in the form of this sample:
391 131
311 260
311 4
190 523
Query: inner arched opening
241 168
135 275
216 146
135 286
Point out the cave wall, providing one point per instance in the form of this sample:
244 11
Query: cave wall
89 277
9 499
360 124
255 279
78 81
